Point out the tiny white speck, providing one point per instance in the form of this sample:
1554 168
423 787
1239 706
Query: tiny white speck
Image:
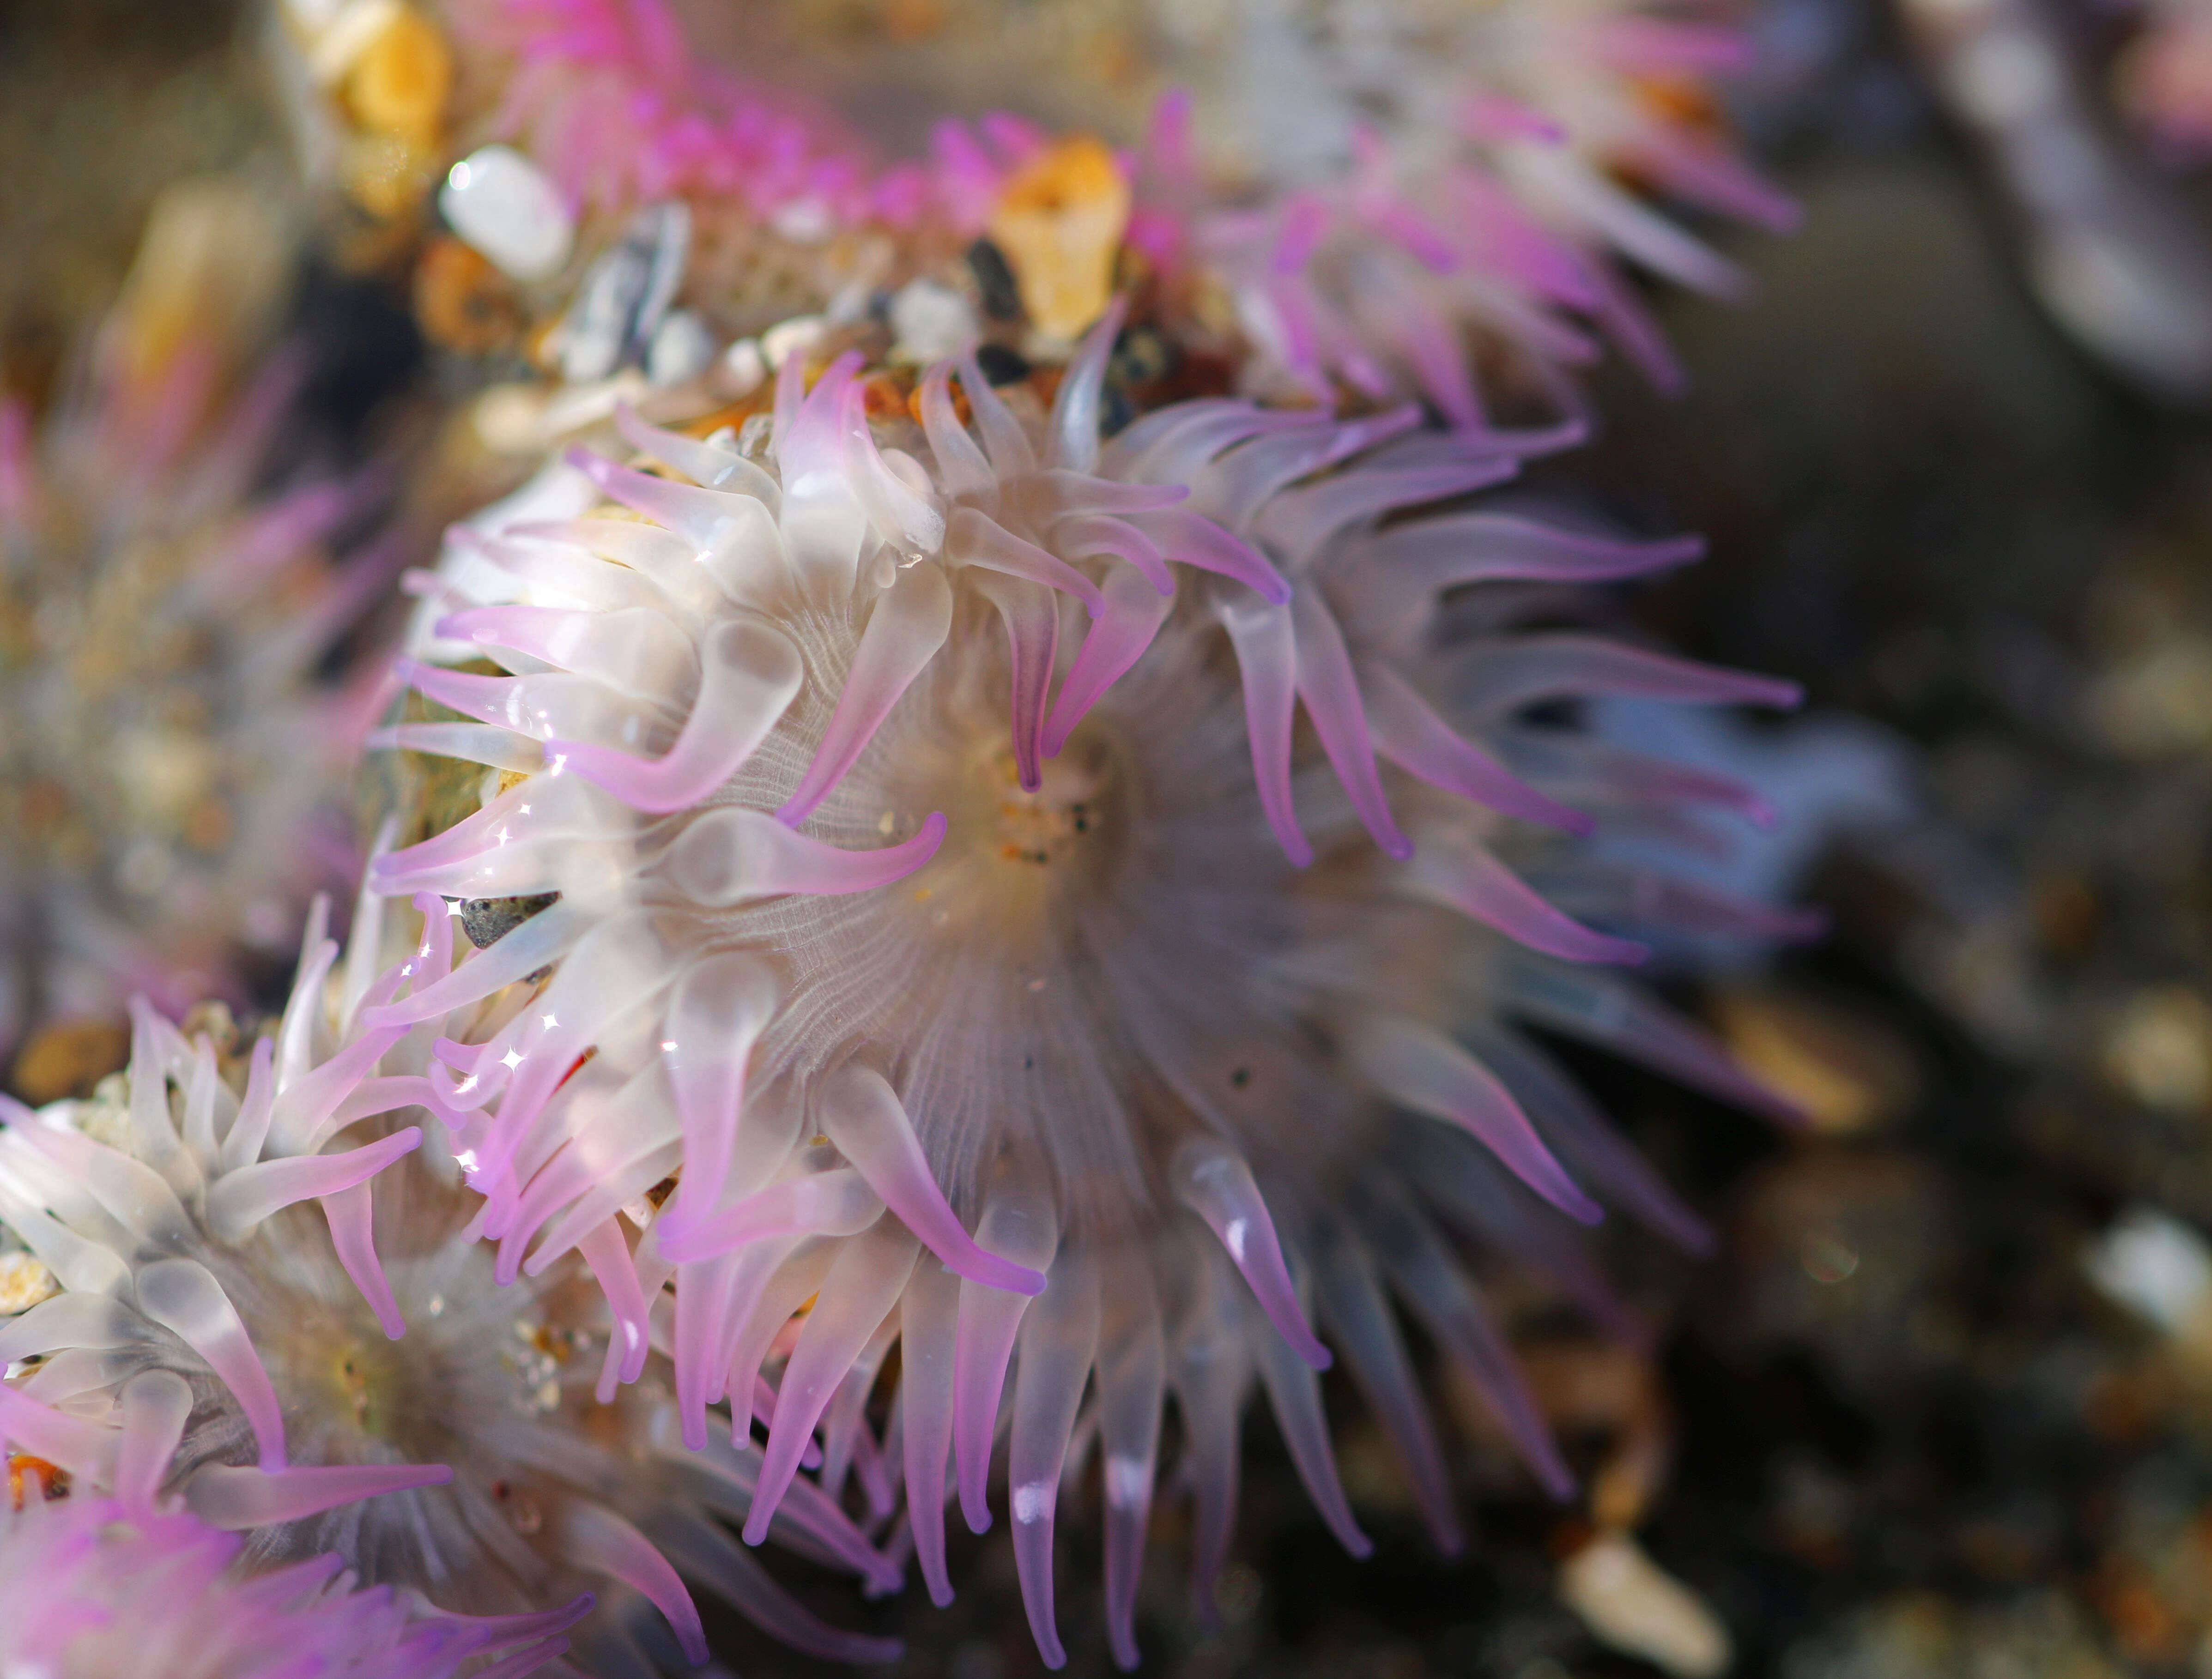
1033 1500
668 1047
549 1023
466 1160
511 1060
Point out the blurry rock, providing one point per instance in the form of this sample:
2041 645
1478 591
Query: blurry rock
2158 1049
619 306
68 1058
503 204
1636 1607
1847 1071
24 1281
1058 221
2155 1266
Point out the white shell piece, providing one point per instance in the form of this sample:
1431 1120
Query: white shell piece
503 207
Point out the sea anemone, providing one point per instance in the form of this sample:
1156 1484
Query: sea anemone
172 771
354 1383
877 851
1464 187
95 1587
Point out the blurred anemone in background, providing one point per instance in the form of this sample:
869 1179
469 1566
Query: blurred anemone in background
1322 202
907 897
178 724
97 1587
342 1380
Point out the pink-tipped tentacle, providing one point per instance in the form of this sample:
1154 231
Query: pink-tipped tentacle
961 466
1410 735
238 1498
716 1014
863 1117
1006 439
1116 641
156 1404
1059 1339
750 675
1132 1387
837 1203
908 625
1191 539
1363 1324
1420 1068
351 1213
639 653
1331 693
706 465
240 1201
1020 1224
733 855
598 1541
1086 536
1076 408
183 1296
1294 1393
862 1287
705 518
974 539
608 1255
1031 617
1462 871
929 1315
1267 658
1504 676
1213 1181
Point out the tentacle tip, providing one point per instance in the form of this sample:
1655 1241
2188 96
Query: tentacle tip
1579 1207
1295 847
792 812
1316 1356
1396 846
979 1521
1126 1656
394 1325
940 1593
693 1646
1558 1482
755 1532
1357 1545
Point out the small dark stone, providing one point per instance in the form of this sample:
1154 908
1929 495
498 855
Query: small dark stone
488 920
1002 365
994 281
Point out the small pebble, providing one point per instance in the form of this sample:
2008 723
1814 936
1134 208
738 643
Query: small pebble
745 369
620 305
682 348
1638 1609
930 322
1059 222
2154 1265
1000 365
488 920
994 282
797 334
24 1281
503 205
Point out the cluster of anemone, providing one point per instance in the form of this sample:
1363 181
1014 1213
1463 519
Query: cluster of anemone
173 765
925 921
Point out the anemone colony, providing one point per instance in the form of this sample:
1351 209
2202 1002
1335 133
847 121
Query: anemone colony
925 992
